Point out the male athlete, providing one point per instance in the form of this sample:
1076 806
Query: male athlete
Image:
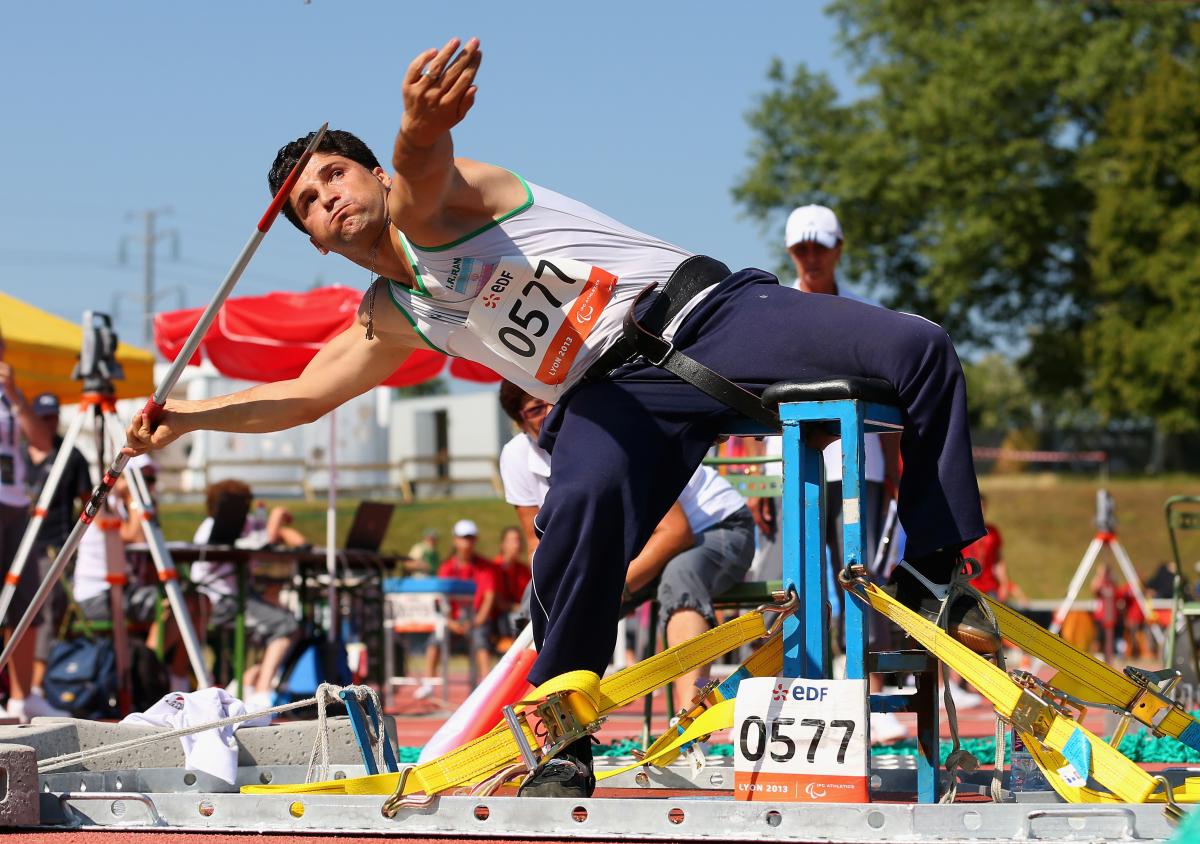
471 259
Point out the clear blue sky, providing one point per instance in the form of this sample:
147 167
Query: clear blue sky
113 108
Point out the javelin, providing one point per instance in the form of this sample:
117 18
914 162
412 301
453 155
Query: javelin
154 407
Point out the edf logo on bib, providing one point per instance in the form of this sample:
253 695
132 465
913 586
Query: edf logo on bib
809 693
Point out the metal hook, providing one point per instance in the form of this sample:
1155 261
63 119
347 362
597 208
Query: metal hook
783 607
399 800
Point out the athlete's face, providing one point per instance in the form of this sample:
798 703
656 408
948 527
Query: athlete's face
341 203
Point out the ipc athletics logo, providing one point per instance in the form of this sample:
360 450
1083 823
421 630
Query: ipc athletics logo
491 300
814 791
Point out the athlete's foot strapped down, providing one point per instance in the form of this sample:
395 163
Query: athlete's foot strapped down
967 622
569 774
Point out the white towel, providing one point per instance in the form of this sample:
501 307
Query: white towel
213 751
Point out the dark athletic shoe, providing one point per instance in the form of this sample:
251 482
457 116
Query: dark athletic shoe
967 623
566 775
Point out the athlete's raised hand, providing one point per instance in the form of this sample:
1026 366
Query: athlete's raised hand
438 91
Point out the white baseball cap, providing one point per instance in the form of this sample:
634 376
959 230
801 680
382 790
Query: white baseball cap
813 222
465 527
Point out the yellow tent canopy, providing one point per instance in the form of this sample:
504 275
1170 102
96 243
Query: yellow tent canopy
43 348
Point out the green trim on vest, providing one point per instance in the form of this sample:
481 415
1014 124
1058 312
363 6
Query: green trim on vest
412 321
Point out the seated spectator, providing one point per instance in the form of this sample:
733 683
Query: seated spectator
117 525
267 623
1138 644
480 627
702 547
1161 584
423 558
514 567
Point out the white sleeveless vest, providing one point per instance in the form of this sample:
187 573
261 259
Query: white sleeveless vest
537 295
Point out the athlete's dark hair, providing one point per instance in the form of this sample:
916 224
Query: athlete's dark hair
335 142
511 399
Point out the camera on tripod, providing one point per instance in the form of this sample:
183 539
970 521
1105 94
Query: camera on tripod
97 367
1106 512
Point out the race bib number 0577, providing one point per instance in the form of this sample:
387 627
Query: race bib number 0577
800 740
536 313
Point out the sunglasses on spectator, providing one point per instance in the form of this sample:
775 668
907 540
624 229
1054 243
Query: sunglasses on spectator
533 411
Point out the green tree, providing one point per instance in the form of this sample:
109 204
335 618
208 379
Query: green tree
1142 350
964 174
1000 398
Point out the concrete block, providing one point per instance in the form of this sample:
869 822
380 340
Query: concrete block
286 743
18 786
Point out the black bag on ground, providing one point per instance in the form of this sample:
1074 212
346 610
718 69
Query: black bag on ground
81 678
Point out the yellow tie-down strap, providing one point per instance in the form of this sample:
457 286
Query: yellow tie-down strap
1039 723
590 698
1087 678
767 661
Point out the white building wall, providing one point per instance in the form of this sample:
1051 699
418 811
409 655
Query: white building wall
476 428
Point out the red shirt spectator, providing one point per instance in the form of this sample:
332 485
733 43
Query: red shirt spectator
516 576
481 570
1127 605
986 550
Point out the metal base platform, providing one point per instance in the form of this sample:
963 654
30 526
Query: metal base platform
675 804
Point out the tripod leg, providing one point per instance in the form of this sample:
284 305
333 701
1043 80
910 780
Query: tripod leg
39 515
165 566
1081 573
1135 583
114 552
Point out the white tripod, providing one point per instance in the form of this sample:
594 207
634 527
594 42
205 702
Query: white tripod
1106 537
99 403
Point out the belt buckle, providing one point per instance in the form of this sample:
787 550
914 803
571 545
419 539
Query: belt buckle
663 357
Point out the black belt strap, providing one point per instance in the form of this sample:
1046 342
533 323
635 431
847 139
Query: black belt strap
662 353
695 274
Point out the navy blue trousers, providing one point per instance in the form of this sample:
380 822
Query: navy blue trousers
625 447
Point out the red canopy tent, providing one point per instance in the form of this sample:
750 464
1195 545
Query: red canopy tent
273 337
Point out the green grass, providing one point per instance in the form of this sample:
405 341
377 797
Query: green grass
1047 522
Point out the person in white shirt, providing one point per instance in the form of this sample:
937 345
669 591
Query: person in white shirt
118 524
272 625
702 547
814 242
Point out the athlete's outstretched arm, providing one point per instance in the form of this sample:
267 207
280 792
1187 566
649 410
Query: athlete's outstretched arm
438 93
347 366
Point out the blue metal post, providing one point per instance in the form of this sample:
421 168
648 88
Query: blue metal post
792 536
850 421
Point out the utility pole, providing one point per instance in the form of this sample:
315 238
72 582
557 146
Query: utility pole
150 238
